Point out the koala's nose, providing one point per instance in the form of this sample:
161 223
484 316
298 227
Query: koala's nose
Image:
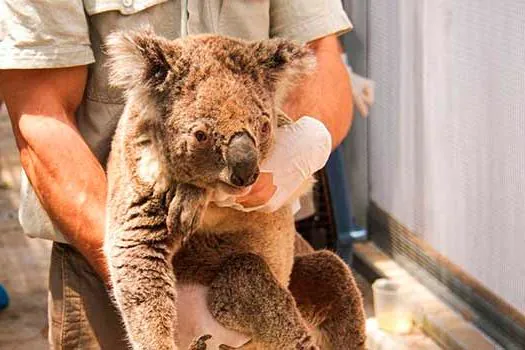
242 158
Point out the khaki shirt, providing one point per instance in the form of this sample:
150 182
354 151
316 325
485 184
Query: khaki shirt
64 33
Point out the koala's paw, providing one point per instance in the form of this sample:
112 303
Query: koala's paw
186 209
200 343
283 119
227 347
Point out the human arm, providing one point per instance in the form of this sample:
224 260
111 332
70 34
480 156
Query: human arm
66 176
325 95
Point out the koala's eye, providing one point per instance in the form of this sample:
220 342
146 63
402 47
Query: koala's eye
200 136
265 128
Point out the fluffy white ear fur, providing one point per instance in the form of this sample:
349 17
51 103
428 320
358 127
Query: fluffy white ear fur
285 63
140 59
126 63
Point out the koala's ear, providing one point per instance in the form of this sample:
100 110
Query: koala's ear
282 62
141 58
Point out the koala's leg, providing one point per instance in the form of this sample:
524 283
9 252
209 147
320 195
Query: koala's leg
199 343
246 297
139 255
328 298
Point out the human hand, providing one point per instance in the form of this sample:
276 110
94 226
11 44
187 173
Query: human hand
260 193
300 149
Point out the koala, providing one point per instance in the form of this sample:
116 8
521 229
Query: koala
199 118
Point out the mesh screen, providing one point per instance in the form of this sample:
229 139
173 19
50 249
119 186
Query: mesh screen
447 133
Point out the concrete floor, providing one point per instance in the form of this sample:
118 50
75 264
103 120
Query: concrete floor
378 339
23 261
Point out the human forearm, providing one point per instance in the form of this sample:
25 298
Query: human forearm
326 94
66 176
70 184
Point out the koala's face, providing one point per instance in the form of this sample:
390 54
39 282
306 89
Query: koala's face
220 132
212 100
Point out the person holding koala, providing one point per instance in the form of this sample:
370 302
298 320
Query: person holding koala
54 80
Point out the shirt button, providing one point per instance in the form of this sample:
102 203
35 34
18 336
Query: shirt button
127 3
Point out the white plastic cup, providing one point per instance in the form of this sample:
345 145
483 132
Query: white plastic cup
391 306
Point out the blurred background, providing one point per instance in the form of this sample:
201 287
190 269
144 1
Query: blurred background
436 172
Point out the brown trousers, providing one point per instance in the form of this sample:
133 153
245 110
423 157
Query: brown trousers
81 314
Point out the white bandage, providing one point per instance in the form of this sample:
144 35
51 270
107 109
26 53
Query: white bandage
300 149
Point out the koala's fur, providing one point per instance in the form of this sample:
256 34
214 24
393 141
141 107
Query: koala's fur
200 114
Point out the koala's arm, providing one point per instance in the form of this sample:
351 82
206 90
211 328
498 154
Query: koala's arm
327 93
66 176
143 235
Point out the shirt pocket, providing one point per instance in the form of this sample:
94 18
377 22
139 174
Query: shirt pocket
125 7
109 16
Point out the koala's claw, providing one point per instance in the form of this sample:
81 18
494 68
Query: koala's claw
200 343
306 343
283 119
227 347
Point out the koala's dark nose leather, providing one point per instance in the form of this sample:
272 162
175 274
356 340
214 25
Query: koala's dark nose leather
242 159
